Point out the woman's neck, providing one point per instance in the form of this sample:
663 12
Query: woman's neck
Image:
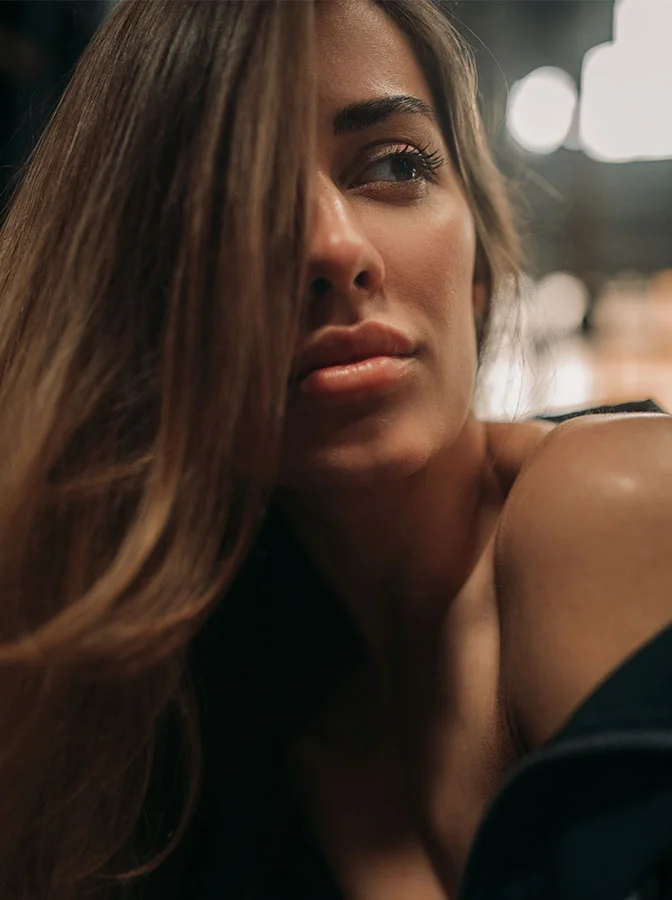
396 553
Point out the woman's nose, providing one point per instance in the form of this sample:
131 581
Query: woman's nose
344 266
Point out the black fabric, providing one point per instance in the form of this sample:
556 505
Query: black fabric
635 406
588 817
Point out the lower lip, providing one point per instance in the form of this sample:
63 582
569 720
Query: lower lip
366 376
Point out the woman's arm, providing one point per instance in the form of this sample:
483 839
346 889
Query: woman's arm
584 563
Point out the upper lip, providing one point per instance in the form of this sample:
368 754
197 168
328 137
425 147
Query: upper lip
340 346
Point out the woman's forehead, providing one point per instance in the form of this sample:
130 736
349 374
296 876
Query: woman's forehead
362 55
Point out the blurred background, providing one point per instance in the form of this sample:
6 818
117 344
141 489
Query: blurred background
576 97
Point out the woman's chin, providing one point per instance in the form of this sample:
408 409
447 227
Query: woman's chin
351 467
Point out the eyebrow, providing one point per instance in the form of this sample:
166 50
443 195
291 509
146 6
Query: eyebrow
358 116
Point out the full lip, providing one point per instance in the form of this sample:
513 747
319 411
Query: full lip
337 346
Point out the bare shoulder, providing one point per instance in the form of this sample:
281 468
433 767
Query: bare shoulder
512 444
583 562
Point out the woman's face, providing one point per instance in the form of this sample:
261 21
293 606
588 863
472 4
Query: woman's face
391 269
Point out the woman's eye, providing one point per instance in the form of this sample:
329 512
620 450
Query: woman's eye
394 168
403 166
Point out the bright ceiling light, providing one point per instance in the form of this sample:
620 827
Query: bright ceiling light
626 87
541 109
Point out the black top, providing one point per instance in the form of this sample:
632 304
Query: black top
586 817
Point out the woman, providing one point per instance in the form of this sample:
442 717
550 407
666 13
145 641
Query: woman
246 282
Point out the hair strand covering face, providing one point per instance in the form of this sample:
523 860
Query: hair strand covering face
151 270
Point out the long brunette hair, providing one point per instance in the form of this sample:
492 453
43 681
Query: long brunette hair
152 267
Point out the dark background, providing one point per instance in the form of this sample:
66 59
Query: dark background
40 43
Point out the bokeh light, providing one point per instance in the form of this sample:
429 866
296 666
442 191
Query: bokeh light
626 87
541 109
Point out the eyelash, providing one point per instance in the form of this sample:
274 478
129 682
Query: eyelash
426 161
